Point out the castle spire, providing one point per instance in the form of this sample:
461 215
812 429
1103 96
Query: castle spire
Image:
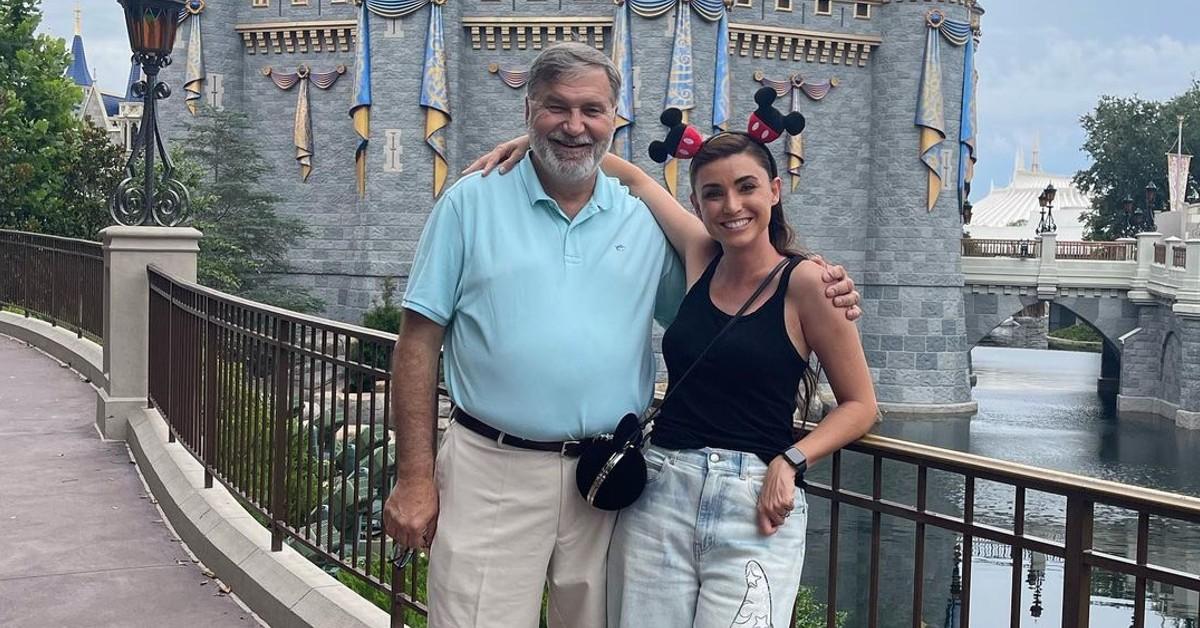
78 71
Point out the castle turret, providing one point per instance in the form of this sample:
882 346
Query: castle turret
914 330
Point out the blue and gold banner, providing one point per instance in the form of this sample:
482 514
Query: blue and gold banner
967 131
435 97
931 115
721 94
681 87
360 111
622 57
193 82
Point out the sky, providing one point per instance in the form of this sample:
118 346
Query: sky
1042 64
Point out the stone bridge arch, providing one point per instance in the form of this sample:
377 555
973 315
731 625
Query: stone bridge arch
1112 315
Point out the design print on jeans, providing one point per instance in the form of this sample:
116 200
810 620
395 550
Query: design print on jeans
755 610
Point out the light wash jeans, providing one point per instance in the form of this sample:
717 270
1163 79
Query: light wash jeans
688 553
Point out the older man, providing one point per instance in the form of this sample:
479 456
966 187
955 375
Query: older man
542 284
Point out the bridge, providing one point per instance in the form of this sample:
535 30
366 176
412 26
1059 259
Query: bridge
262 435
1142 294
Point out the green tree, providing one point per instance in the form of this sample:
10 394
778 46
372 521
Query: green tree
1127 139
37 120
93 169
246 242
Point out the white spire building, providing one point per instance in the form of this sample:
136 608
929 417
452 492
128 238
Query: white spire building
1012 212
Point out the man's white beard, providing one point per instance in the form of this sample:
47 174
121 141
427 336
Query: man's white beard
570 170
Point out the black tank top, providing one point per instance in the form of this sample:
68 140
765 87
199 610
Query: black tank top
743 393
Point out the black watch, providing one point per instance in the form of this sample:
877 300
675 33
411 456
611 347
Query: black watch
797 459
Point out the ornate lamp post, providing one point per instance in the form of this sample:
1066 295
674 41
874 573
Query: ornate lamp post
967 208
151 25
1141 219
1046 200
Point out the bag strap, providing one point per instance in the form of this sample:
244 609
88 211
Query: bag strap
736 317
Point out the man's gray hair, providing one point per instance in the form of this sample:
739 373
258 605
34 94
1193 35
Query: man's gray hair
567 60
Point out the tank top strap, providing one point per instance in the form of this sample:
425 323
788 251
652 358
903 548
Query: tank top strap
784 276
706 277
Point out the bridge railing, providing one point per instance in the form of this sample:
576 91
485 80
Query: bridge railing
1101 251
58 279
1077 550
290 413
1029 249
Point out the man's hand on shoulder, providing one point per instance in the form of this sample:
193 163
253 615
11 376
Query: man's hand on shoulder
839 288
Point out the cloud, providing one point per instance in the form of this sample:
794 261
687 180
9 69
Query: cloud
1041 79
104 37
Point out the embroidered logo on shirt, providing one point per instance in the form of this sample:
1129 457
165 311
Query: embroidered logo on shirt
620 247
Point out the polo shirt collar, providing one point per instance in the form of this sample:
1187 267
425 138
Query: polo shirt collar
602 194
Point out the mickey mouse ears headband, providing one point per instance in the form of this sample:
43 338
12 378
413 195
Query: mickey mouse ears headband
765 125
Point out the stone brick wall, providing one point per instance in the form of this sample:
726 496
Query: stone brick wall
1163 360
860 202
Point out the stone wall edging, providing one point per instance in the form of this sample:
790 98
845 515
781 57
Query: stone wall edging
283 588
81 354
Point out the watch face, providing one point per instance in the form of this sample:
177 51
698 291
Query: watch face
796 457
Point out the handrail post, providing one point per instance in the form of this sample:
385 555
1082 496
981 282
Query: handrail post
210 390
1048 268
1138 292
128 251
279 431
1077 574
1187 299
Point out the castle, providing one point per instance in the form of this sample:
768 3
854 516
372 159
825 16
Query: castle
386 121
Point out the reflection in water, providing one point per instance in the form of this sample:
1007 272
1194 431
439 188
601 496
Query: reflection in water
1038 408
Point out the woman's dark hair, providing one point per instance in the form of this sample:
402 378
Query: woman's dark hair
725 145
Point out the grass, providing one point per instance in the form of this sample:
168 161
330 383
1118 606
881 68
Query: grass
1079 332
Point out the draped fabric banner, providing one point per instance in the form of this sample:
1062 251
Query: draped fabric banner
435 98
302 128
681 89
622 57
931 115
793 148
193 82
1177 177
360 110
680 86
722 106
967 124
512 77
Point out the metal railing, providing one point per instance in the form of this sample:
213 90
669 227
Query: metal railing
1102 251
1160 253
972 247
1179 258
1076 550
58 279
289 413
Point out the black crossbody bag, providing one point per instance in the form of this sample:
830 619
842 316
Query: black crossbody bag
611 473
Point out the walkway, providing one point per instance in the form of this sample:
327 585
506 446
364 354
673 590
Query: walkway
80 542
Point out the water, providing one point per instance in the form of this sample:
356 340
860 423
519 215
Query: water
1038 408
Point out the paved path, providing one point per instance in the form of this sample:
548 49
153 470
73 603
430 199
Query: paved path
80 542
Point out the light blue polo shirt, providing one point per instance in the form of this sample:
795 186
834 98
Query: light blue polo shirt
548 320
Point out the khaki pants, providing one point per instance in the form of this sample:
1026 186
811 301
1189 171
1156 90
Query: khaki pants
510 519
